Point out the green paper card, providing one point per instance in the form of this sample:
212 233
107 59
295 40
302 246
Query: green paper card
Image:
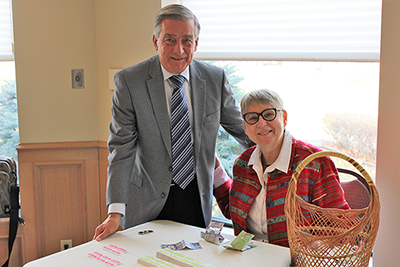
241 240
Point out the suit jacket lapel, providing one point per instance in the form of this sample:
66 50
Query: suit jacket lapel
198 88
155 86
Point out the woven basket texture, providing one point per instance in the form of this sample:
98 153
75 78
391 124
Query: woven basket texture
328 236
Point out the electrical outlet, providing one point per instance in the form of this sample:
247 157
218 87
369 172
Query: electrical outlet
77 79
66 244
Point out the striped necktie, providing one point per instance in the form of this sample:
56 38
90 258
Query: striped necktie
182 149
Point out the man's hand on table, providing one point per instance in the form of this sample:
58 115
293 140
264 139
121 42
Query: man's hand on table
108 227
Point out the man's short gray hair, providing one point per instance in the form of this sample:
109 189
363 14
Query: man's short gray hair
262 96
175 12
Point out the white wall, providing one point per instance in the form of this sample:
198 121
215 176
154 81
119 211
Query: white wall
51 38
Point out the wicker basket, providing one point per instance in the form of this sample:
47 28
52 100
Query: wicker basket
328 236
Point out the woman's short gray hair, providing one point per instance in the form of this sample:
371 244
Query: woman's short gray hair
262 96
175 12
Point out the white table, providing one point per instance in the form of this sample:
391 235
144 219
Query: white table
167 232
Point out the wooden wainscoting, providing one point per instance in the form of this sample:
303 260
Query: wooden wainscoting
62 187
17 255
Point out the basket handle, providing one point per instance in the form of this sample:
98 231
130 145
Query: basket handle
320 154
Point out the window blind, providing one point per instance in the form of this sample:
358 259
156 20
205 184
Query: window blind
288 30
6 37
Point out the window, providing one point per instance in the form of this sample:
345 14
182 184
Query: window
333 105
6 37
9 134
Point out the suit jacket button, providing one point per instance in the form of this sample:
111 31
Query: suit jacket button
162 195
170 168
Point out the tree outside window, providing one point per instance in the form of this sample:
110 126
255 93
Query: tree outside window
9 131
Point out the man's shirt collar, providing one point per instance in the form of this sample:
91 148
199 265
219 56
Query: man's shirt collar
167 74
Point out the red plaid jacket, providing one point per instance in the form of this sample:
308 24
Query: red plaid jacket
318 181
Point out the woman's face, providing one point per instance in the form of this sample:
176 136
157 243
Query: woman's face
266 133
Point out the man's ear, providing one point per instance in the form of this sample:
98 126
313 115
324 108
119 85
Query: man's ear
155 39
196 43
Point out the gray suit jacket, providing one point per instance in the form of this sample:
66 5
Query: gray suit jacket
140 160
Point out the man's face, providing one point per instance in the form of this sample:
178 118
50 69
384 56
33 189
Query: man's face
176 44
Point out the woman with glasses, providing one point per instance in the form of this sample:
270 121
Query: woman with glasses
262 173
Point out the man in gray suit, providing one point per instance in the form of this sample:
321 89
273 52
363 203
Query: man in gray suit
140 175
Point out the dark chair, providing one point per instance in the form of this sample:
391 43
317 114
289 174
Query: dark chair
356 191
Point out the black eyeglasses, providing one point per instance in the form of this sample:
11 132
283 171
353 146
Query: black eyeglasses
268 114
